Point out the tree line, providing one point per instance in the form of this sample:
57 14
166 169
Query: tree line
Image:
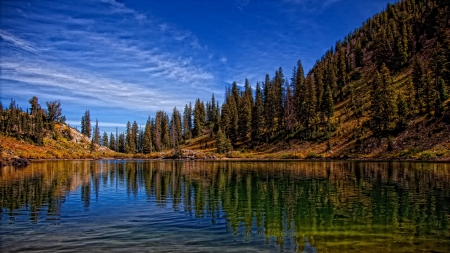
409 38
33 124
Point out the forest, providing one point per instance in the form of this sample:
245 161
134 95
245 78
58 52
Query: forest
383 80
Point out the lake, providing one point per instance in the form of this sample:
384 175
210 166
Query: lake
225 206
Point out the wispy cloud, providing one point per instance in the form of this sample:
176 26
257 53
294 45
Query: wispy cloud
90 89
104 63
117 7
17 42
241 4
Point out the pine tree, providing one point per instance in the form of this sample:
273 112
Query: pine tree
258 114
310 104
187 119
133 140
223 144
112 142
95 137
383 106
86 124
147 141
245 113
176 128
83 125
158 131
105 142
418 81
54 112
289 109
199 118
403 112
359 55
128 139
165 131
299 92
122 146
342 68
278 86
327 105
232 101
442 90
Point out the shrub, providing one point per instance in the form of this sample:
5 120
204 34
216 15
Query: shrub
313 155
427 155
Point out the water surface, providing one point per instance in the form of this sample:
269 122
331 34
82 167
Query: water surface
228 206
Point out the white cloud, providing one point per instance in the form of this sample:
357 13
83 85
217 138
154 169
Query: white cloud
17 42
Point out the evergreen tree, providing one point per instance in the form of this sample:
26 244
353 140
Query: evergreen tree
147 141
105 142
359 55
54 112
270 109
403 112
134 138
187 119
86 124
35 107
310 104
122 146
199 118
223 144
176 133
158 131
83 125
327 103
289 109
383 106
342 68
112 142
245 113
442 90
278 86
95 137
418 81
258 114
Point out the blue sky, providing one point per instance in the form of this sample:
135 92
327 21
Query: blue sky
124 60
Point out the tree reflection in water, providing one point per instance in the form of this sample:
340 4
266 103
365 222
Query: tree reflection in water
342 205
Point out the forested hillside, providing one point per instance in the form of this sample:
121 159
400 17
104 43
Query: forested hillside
382 91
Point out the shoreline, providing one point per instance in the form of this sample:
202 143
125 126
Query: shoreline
23 162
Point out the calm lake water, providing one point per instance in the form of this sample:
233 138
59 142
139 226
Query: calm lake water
225 206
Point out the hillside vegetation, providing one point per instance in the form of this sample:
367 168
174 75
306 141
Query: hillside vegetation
381 92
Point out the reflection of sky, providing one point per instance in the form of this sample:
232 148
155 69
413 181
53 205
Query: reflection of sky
227 206
123 60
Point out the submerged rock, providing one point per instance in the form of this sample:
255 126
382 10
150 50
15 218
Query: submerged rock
19 162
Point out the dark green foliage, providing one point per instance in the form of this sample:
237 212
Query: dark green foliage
105 141
112 142
383 107
223 144
199 118
175 131
85 124
147 141
359 55
32 125
403 113
95 137
54 112
327 105
245 113
258 114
